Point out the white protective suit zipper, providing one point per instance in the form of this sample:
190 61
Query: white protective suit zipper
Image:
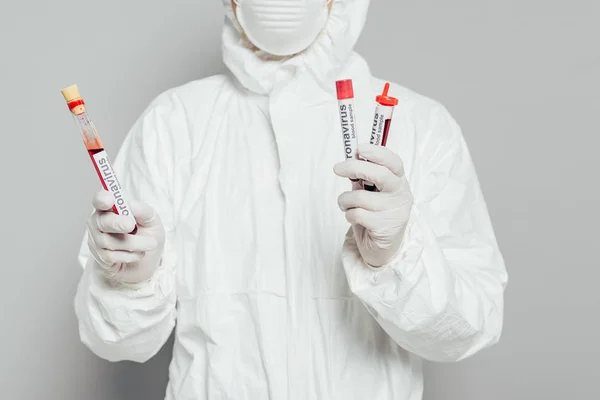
297 272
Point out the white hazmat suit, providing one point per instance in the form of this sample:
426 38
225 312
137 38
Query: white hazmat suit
260 274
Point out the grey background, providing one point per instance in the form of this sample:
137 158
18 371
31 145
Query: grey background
521 77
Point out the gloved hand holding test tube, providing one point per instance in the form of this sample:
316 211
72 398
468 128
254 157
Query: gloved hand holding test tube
95 149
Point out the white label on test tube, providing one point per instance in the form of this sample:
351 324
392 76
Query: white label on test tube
348 124
379 131
345 96
111 183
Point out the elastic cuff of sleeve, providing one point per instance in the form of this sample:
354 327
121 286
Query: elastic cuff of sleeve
362 276
163 276
144 284
162 283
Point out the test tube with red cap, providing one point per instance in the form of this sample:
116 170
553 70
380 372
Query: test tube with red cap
345 96
381 123
96 151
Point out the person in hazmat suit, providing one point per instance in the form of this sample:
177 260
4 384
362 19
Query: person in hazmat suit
281 279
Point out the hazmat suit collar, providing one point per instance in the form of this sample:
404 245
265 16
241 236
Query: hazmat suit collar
324 59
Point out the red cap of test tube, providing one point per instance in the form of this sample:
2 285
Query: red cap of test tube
344 89
386 100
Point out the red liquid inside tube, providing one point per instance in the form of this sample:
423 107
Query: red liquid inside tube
386 130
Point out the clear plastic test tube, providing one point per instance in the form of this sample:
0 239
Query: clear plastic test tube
96 151
382 121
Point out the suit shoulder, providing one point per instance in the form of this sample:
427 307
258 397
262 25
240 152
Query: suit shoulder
193 93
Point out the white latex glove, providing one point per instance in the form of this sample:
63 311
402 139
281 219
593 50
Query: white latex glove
121 256
378 219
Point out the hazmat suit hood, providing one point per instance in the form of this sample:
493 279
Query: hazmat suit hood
324 58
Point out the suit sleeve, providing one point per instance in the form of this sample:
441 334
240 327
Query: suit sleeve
442 296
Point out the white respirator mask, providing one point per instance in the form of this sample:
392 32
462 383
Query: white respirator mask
282 27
